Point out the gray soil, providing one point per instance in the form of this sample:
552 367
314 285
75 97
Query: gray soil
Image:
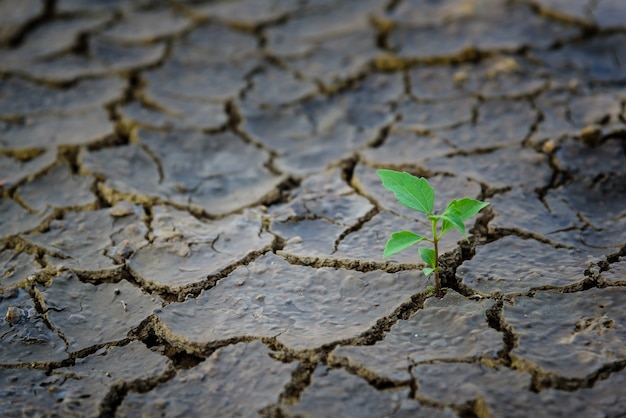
191 224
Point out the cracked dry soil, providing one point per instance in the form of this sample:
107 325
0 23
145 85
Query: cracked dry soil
191 224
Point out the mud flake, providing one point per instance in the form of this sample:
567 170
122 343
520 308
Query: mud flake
210 63
599 108
334 60
523 210
184 251
317 215
247 12
302 307
22 98
569 334
105 58
420 116
81 240
139 27
365 106
407 148
127 169
236 380
90 6
84 387
78 390
421 13
600 400
127 241
15 268
500 391
411 408
217 173
588 117
555 123
499 77
16 16
24 335
435 82
609 238
90 315
216 43
15 219
609 14
502 77
172 112
590 162
506 167
300 33
591 60
285 130
301 135
49 39
617 272
274 87
110 57
568 10
14 172
119 364
58 188
308 238
199 79
605 14
312 153
601 204
485 27
125 208
19 387
371 95
515 265
169 224
324 195
445 329
500 123
49 131
335 392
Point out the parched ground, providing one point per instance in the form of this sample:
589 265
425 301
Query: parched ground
191 223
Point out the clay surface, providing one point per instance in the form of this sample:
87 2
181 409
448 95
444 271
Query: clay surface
191 223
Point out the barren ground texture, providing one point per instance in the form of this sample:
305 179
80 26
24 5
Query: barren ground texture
191 224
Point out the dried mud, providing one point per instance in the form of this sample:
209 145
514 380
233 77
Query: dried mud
191 223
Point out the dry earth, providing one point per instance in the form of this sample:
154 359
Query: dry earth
191 224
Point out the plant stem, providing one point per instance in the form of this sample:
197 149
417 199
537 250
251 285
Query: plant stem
437 283
436 267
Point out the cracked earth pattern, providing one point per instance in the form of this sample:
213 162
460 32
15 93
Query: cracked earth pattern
191 222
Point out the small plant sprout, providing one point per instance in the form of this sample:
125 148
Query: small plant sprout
415 193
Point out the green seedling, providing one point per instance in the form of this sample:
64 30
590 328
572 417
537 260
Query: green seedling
417 194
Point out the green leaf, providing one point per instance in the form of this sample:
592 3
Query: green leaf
412 192
400 241
464 209
428 255
431 288
453 219
428 271
467 207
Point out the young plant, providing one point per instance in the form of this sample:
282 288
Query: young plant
415 193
